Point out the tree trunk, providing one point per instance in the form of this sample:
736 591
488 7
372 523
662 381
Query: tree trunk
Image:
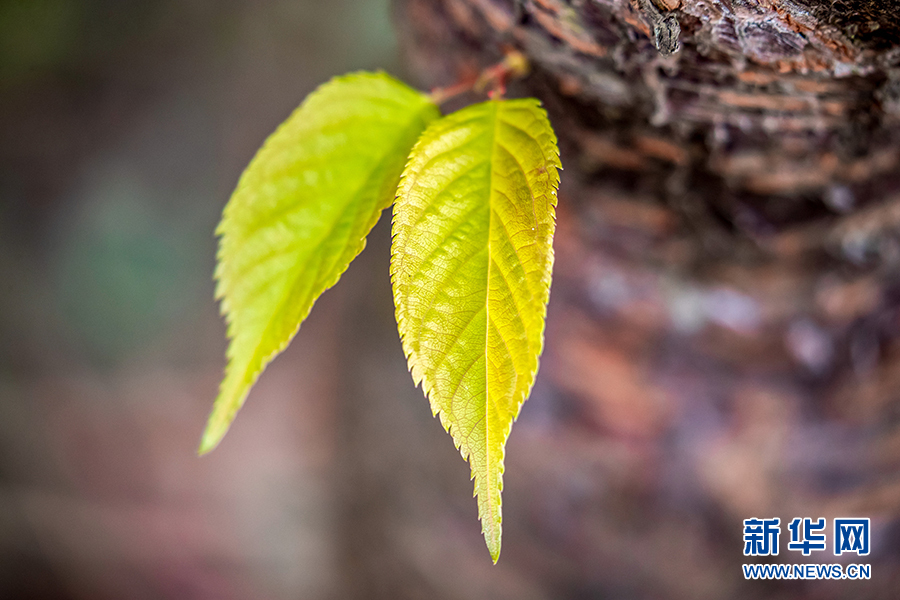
723 338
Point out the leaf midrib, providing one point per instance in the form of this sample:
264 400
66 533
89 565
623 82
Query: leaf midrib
487 329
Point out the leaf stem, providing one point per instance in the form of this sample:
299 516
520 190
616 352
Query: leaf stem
514 65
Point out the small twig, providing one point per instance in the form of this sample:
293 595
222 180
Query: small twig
493 78
441 95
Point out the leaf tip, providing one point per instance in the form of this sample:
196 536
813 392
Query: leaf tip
492 540
212 435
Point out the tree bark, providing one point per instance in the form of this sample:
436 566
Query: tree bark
724 337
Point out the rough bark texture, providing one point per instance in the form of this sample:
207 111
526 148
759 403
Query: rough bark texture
724 333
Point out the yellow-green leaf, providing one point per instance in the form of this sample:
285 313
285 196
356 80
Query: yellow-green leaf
300 214
471 262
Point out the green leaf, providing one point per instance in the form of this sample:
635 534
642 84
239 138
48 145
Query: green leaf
300 214
471 262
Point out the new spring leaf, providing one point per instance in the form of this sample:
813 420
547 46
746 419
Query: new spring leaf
300 214
471 263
